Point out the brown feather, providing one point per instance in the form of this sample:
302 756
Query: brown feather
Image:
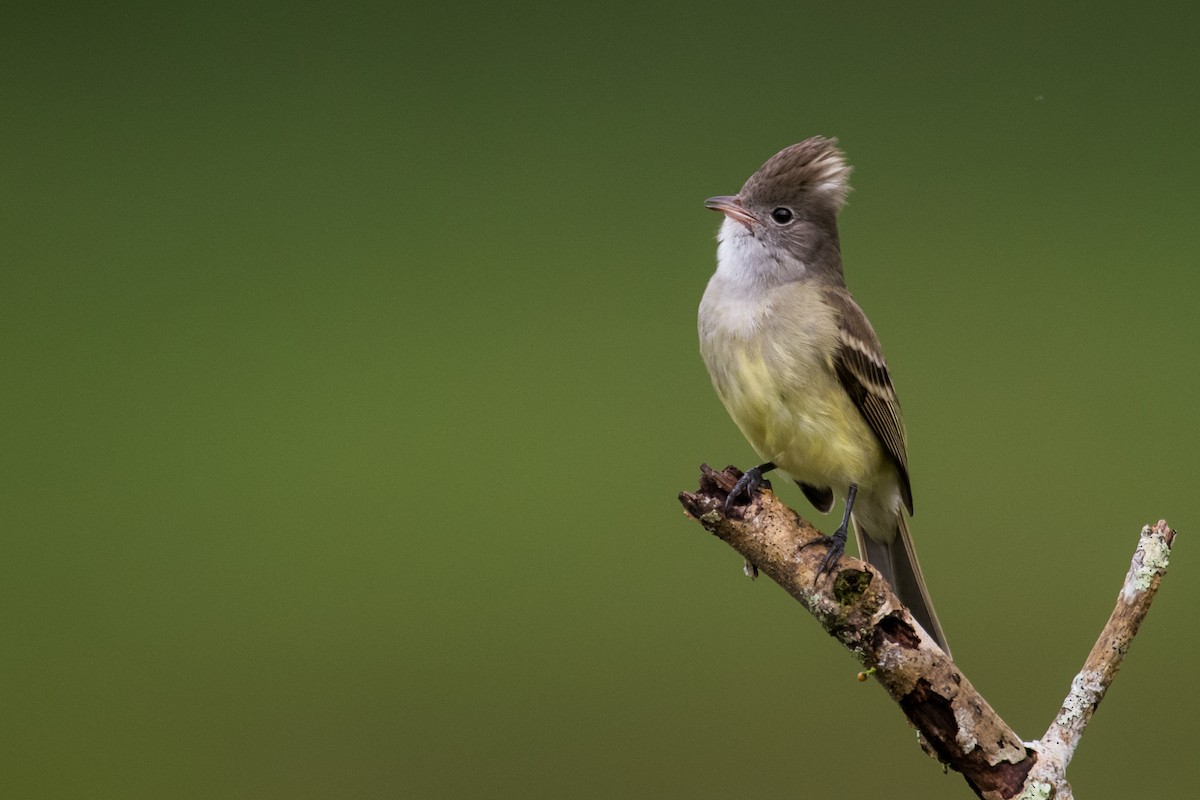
863 372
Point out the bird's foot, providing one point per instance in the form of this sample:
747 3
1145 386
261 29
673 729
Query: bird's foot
749 485
837 547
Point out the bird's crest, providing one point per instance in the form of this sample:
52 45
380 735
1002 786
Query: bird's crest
815 165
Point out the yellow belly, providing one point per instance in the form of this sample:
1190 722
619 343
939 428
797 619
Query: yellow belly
799 417
770 356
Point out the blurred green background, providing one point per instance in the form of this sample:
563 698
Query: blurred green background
350 376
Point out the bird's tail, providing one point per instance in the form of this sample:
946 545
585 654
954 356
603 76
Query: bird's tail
897 561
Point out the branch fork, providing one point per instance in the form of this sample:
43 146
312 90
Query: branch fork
857 606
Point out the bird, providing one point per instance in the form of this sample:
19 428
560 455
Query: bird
799 368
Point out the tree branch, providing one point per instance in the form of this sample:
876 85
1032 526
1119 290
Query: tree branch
1057 746
859 608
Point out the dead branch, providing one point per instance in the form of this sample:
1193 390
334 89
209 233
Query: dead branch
856 606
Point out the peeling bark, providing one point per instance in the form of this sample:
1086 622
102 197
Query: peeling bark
856 606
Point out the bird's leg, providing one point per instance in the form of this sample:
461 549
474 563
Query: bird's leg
749 484
837 542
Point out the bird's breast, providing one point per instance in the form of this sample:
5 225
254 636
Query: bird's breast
770 360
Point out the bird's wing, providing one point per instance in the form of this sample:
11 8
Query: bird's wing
863 372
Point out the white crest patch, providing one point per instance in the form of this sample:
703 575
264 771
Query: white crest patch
831 176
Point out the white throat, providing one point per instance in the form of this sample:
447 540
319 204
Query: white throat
744 263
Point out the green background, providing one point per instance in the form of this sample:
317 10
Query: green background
350 376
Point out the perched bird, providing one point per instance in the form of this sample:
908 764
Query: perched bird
799 367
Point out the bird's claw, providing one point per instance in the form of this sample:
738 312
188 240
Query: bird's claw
750 484
837 547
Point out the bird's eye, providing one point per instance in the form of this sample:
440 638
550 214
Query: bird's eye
782 215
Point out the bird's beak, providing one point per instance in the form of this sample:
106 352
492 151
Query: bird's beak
732 208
